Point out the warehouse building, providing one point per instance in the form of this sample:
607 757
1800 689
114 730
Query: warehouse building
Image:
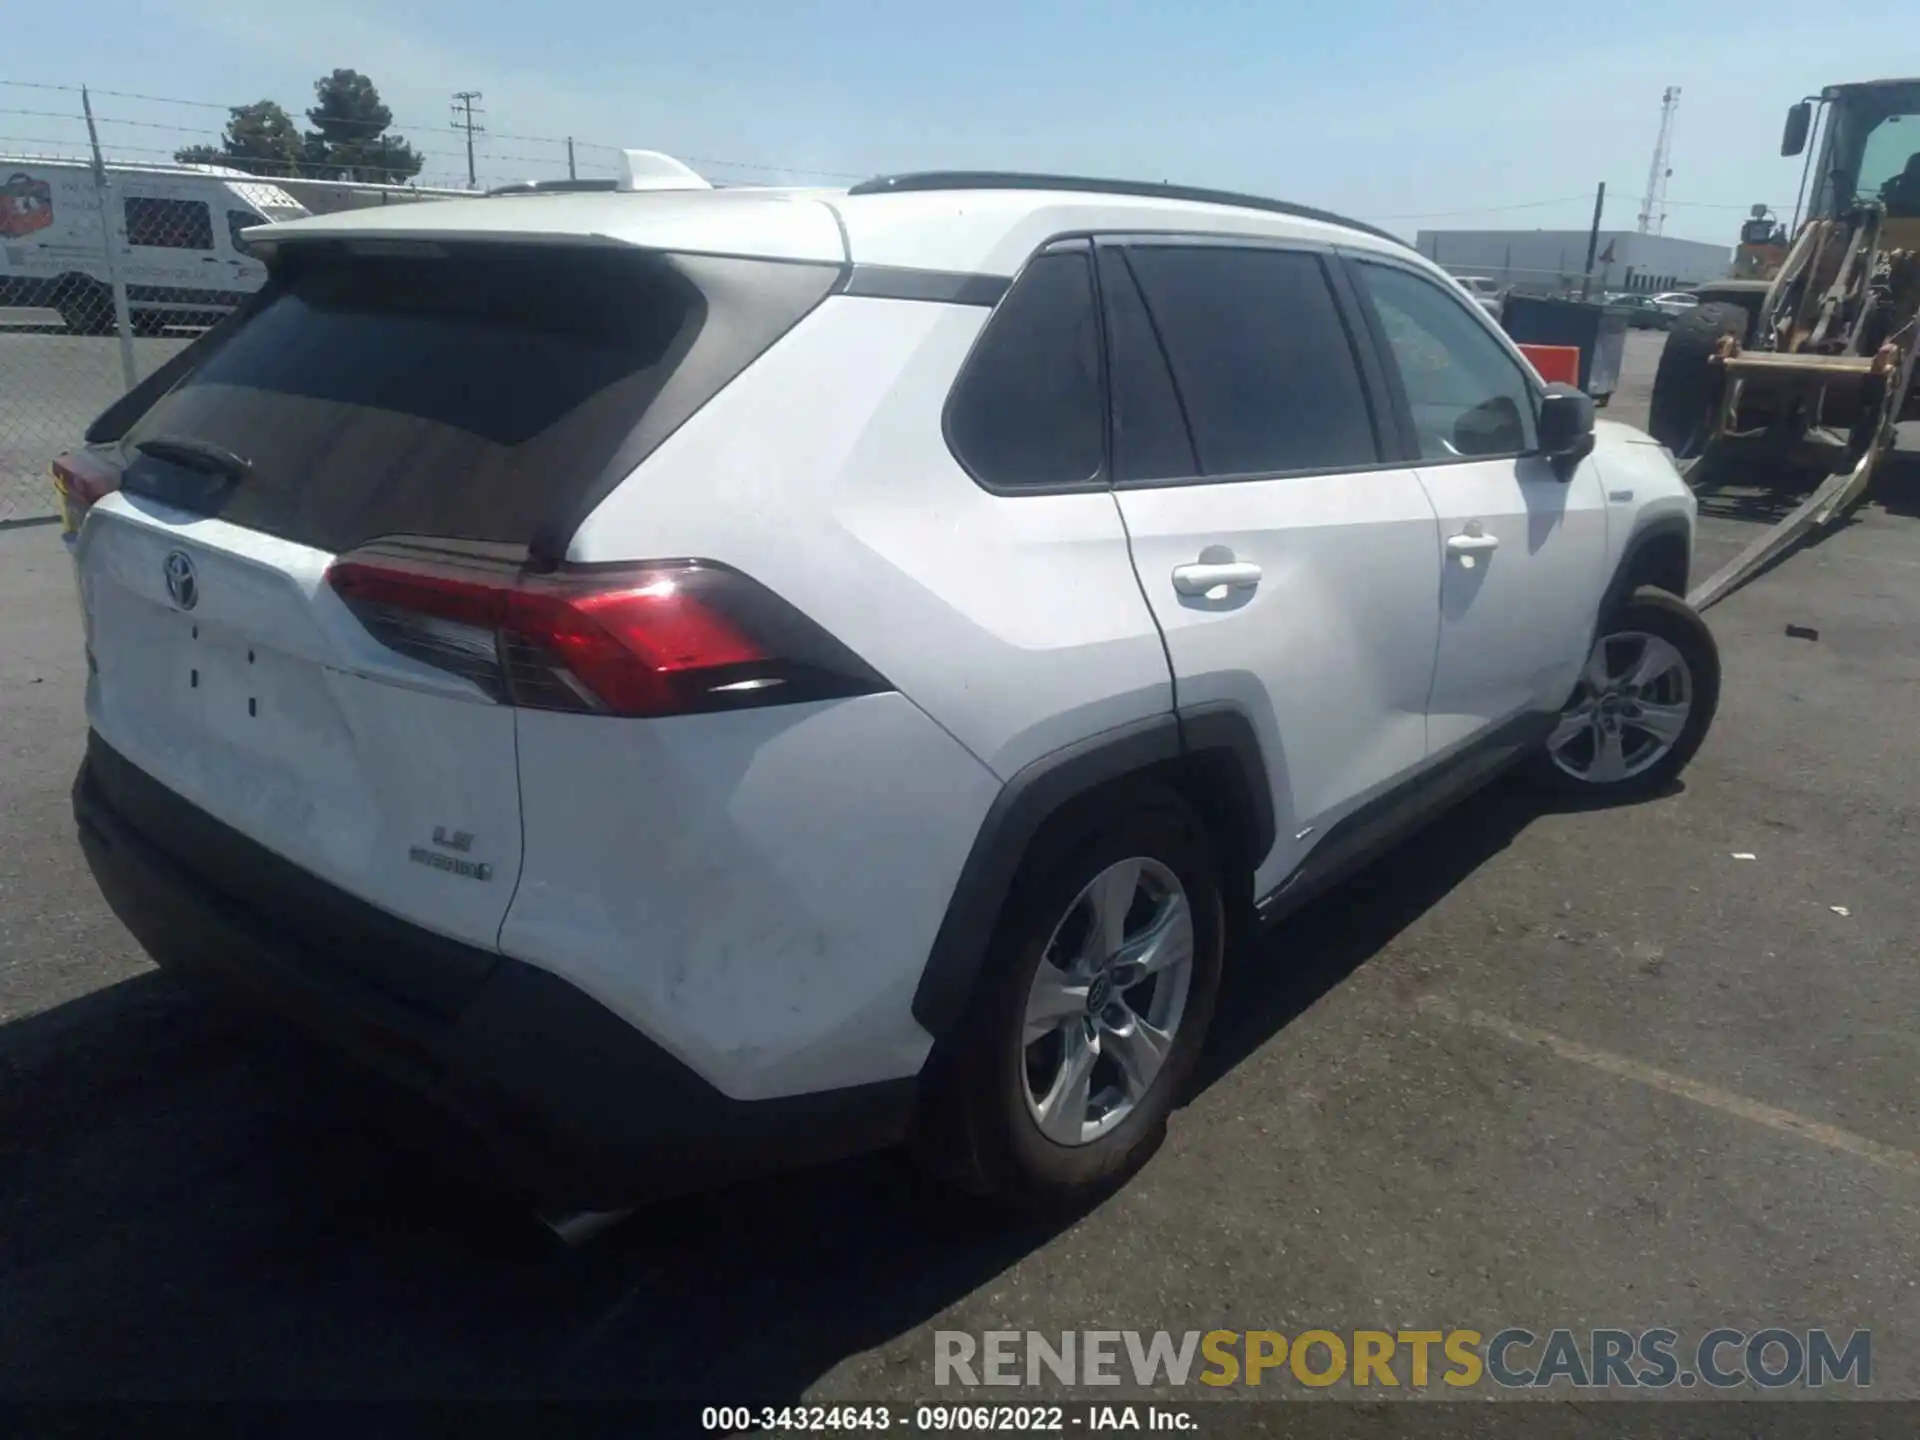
1545 261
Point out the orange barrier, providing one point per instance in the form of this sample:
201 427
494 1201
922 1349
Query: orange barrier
1555 362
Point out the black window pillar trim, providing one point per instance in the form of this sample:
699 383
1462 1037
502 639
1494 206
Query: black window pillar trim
1386 407
1124 252
1399 419
946 287
1033 796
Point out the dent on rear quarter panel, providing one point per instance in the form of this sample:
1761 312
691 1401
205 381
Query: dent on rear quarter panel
756 891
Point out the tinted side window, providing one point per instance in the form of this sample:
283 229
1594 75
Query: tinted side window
1262 361
1028 409
1467 395
169 224
1150 440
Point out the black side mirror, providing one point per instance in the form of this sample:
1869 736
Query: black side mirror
1799 120
1566 428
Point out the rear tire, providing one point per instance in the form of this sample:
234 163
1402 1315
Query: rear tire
1645 701
985 1120
1687 386
86 306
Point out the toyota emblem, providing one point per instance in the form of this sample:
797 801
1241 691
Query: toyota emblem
181 585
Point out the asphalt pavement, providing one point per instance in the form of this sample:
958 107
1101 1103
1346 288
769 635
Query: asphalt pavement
1649 1065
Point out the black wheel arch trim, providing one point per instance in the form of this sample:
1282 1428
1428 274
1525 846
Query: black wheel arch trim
1645 533
1037 793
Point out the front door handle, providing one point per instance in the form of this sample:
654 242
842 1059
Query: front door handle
1201 578
1472 544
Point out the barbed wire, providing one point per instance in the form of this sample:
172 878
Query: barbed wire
397 125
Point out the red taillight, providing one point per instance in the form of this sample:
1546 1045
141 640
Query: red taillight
666 638
81 480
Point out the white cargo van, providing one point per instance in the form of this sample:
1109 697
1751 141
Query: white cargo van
176 233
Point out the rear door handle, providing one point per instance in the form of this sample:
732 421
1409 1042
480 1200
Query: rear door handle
1199 579
1472 544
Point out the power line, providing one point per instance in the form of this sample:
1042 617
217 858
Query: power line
1482 209
401 126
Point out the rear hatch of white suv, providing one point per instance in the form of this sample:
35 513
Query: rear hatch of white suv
298 599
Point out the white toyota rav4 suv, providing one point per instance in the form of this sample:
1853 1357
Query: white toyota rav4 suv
707 680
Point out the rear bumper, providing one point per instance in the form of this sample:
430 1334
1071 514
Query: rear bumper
561 1097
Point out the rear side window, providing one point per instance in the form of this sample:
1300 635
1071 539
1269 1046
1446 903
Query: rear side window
1027 410
478 392
1261 358
169 224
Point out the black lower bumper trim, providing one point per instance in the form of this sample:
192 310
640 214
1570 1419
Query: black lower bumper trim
568 1101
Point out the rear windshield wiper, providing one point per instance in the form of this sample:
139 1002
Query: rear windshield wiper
192 454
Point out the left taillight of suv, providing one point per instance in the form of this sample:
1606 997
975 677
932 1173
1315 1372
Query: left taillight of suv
81 478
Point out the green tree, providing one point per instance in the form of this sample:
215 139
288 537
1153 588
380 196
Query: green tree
349 138
260 138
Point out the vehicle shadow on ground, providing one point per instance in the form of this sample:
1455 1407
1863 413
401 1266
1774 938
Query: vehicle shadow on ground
190 1208
1897 487
1757 499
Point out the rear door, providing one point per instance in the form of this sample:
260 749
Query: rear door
445 404
1292 569
1524 551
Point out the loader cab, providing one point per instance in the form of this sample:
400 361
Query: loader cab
1867 139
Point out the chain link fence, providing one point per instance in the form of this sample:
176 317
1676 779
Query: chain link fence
69 346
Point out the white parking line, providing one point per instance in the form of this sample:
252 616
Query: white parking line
1770 1116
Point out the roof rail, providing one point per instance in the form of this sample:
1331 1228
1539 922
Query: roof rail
927 180
548 187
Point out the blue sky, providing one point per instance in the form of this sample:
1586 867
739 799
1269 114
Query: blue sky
1407 114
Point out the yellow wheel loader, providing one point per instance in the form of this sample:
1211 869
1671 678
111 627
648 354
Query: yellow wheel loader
1812 367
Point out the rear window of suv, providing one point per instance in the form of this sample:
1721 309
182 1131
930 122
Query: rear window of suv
478 392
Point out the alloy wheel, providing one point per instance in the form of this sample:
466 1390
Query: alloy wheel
1107 1001
1631 707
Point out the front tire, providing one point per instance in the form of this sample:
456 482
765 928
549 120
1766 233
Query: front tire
1685 409
1092 1010
1645 701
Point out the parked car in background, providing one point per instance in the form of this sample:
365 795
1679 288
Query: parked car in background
1486 293
1642 312
729 678
1675 303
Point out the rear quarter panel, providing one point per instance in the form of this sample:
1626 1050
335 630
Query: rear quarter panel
1016 622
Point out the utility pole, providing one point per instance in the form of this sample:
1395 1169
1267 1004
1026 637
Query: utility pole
570 170
1593 238
463 120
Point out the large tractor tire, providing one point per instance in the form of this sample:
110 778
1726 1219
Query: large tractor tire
1687 386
